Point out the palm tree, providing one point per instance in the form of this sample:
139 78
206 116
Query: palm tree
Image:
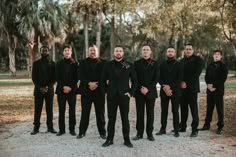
8 25
41 22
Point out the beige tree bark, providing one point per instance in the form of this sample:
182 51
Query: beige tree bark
99 29
30 57
86 34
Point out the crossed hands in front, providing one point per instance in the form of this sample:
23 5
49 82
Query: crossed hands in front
167 90
210 87
93 85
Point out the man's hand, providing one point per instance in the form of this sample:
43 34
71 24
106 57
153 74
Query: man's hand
128 94
93 85
144 90
210 87
167 90
183 85
43 90
66 89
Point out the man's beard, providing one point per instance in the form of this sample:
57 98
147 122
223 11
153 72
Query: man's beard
44 55
170 57
92 56
118 57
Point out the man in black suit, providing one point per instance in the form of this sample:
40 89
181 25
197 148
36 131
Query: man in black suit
66 77
216 75
171 74
115 81
43 76
193 66
146 92
90 77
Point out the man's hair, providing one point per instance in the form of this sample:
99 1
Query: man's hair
217 50
119 46
92 45
43 47
189 44
170 47
66 46
146 45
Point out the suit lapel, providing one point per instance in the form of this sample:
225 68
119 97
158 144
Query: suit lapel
114 69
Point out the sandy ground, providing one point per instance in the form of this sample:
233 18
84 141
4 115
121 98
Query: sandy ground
15 139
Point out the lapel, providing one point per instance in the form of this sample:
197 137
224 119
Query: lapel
116 72
171 67
147 69
143 69
67 72
90 66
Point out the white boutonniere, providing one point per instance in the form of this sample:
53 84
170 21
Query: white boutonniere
150 63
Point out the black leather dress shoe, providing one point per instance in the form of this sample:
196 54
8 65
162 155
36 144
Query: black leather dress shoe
151 138
194 134
73 133
60 133
176 134
52 131
219 131
80 136
128 144
137 137
34 132
161 132
107 143
103 136
205 128
182 130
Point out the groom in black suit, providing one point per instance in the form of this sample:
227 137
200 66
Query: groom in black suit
115 81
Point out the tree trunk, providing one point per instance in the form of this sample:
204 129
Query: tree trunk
99 28
86 34
12 61
36 48
11 48
30 58
74 52
53 50
112 37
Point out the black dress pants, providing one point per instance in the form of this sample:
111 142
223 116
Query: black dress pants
62 99
38 105
189 100
212 101
141 103
112 105
164 111
99 104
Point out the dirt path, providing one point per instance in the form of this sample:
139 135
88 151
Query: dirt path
15 140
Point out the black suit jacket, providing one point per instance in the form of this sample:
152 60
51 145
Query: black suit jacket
171 73
193 66
147 75
216 74
90 70
116 78
66 75
43 74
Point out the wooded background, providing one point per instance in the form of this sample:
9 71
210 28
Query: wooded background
26 24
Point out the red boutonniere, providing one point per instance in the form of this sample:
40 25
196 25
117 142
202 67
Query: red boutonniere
98 60
72 60
125 65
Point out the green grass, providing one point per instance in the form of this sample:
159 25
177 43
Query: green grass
11 83
19 74
230 85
